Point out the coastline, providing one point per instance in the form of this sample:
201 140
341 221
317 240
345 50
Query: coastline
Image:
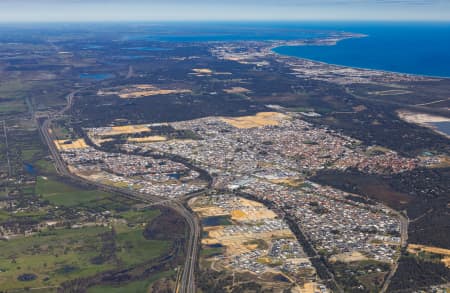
300 43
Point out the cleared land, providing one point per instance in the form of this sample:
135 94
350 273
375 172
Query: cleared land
261 119
348 257
140 91
202 70
237 90
125 129
445 253
67 144
153 138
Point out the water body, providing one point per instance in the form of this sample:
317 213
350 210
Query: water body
175 176
442 126
29 169
414 48
216 221
147 49
96 76
234 31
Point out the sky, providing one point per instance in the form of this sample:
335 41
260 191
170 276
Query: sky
221 10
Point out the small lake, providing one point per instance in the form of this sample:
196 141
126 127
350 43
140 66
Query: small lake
442 126
216 221
175 176
29 168
96 76
147 49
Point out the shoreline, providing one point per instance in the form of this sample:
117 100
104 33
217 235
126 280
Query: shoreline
299 44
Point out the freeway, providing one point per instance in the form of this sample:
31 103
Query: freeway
187 280
404 222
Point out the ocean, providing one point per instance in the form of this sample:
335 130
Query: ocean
421 48
414 48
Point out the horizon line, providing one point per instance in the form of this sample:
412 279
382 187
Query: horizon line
225 21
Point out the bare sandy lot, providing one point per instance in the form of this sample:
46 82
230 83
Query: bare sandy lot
140 91
237 90
65 144
416 248
348 257
259 120
152 138
126 129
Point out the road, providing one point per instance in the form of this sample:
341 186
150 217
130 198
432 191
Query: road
404 222
5 133
187 280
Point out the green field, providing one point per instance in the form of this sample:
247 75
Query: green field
10 107
53 257
139 216
14 89
58 255
45 166
132 246
133 287
29 154
59 193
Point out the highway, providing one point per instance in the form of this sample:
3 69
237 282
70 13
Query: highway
404 222
187 281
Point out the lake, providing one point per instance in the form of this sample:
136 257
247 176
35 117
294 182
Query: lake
96 76
442 126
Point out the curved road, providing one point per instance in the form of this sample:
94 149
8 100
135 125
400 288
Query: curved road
187 281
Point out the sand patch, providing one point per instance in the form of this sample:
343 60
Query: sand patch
390 92
237 90
311 287
237 243
237 215
209 211
202 70
259 120
420 117
153 138
126 129
416 248
423 119
348 257
67 144
139 91
148 93
292 182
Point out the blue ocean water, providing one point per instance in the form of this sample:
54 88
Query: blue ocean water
415 48
229 31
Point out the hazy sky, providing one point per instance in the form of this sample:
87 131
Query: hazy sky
157 10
